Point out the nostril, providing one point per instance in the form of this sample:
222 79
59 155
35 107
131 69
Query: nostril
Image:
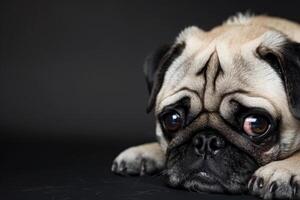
199 145
198 142
216 143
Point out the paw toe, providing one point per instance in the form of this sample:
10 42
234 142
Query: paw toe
119 167
137 167
280 185
114 167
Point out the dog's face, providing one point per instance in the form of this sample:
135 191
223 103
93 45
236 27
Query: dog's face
226 102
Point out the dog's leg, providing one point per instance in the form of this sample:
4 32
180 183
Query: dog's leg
278 179
140 160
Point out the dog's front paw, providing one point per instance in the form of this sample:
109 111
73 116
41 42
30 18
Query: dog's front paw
140 160
276 180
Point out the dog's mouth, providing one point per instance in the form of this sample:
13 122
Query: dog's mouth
203 181
205 177
221 170
198 182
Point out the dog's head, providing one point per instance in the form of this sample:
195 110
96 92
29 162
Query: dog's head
226 102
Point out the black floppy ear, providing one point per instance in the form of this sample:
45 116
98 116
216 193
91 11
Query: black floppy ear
155 67
152 64
286 61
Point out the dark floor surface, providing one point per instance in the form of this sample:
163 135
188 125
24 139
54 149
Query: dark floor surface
79 169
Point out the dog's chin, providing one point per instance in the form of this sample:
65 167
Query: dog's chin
198 182
226 172
204 182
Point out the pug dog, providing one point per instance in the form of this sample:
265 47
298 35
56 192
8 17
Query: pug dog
227 108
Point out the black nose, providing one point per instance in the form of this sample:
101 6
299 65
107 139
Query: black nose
208 142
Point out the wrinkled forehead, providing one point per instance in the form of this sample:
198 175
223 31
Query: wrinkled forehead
233 47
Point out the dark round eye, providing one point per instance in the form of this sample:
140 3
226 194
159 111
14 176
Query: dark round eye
172 121
255 125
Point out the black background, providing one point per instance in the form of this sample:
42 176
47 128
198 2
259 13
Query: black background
72 91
